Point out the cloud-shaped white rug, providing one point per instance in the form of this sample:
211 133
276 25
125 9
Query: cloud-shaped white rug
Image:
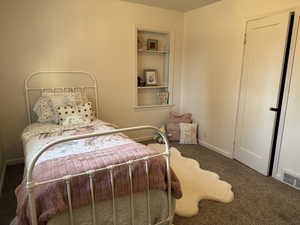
196 183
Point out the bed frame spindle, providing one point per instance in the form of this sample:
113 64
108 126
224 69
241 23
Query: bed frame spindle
68 182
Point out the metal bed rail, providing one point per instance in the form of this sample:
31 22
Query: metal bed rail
30 185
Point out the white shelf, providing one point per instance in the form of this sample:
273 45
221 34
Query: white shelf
153 87
147 97
153 106
153 52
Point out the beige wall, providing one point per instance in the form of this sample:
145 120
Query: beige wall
91 35
97 36
213 47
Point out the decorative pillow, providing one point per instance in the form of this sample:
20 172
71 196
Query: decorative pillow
174 120
73 120
188 133
62 99
44 110
86 111
175 117
76 113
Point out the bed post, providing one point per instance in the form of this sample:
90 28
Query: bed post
167 156
32 207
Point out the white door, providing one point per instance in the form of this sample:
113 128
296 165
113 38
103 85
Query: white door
260 85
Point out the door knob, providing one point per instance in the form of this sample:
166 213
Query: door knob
274 109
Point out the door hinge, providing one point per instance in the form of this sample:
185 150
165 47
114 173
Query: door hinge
245 39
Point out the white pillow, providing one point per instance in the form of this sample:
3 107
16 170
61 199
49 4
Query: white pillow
44 110
76 114
188 133
73 120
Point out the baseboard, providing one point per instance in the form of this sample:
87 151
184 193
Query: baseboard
2 176
278 177
216 149
145 138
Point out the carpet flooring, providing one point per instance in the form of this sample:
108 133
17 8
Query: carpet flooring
259 200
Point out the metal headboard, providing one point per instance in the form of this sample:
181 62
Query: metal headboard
38 82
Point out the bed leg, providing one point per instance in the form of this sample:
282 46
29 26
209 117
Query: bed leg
30 187
113 195
131 192
148 192
168 165
71 218
91 176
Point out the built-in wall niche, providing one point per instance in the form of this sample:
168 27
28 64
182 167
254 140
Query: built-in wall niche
154 67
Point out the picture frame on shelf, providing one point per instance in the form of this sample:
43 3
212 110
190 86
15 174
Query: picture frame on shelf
150 77
152 44
163 98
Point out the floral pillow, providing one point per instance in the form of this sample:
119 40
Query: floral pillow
188 133
44 110
76 114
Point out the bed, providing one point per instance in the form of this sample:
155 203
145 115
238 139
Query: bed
89 172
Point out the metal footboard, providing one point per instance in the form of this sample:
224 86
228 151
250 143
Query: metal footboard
67 179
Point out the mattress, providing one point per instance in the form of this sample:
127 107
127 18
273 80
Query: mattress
82 215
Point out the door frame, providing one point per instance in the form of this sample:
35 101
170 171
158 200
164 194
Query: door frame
275 173
296 10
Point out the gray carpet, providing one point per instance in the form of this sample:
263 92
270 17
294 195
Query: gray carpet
258 200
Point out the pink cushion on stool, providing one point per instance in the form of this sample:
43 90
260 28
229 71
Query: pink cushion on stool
173 128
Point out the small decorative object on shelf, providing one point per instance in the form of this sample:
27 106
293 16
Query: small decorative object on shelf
141 81
140 43
152 44
150 77
163 98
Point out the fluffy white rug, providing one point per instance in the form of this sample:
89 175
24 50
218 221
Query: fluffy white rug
196 183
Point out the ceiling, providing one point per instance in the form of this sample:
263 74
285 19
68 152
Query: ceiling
179 5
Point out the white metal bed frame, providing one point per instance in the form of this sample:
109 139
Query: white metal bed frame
31 184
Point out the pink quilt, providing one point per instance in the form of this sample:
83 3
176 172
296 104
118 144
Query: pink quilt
83 155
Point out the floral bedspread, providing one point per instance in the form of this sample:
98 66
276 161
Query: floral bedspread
77 156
